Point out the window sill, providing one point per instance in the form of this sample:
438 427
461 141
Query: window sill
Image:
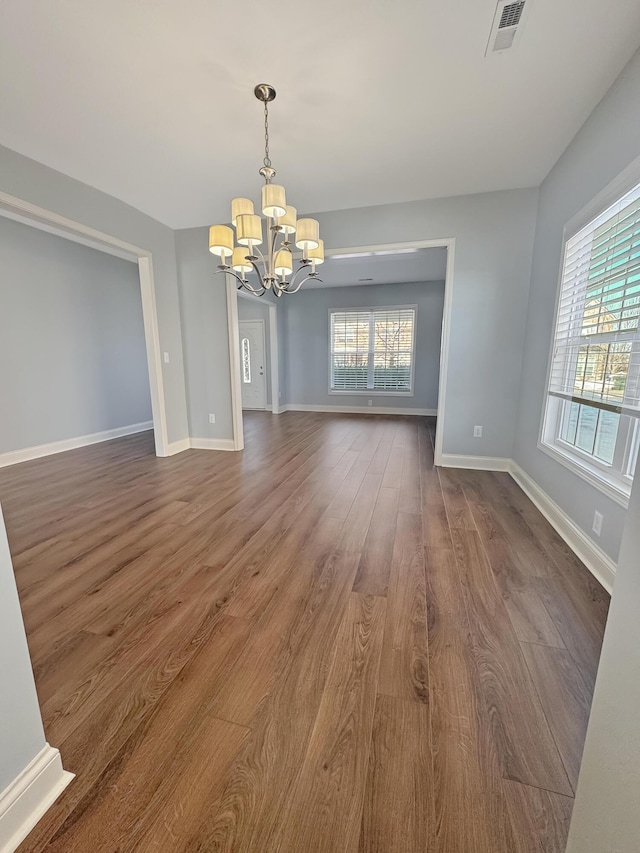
609 486
372 393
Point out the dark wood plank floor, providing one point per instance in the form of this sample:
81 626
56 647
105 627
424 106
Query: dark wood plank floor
321 644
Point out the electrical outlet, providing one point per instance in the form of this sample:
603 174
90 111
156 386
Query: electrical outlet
212 419
166 357
369 402
598 518
477 432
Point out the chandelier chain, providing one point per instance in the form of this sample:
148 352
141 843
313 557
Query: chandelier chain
267 159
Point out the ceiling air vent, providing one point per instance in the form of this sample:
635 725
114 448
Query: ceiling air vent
506 24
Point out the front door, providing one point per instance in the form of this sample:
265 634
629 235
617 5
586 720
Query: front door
252 362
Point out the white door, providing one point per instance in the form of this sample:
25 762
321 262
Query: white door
252 364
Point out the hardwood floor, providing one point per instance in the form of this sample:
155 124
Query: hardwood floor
322 644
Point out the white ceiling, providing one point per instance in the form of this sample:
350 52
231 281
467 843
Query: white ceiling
420 265
378 101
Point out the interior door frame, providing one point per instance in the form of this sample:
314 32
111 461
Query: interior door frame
235 375
448 243
19 210
267 384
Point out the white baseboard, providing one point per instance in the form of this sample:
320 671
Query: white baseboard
212 444
13 457
477 463
599 564
178 446
29 796
357 410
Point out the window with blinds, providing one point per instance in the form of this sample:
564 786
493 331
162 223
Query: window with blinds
593 401
372 350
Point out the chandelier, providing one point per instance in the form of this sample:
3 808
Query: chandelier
273 265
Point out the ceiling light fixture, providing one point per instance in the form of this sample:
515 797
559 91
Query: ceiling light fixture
274 268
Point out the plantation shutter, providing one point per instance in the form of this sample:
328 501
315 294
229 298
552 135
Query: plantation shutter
372 350
596 357
350 336
393 348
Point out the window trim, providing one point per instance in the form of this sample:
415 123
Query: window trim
371 392
615 487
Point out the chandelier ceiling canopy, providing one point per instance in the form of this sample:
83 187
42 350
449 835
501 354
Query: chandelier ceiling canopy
241 255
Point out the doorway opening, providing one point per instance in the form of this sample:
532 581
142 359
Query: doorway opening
19 210
253 336
397 402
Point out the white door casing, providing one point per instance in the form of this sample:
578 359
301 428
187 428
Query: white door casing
252 364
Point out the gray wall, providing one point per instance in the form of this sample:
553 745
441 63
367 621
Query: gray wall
606 818
21 732
72 348
494 233
494 239
607 143
35 183
253 309
306 341
203 303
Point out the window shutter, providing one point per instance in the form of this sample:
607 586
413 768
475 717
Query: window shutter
372 350
393 349
350 335
596 358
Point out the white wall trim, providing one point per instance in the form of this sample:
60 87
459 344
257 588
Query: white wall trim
46 220
444 348
234 358
599 564
357 410
234 363
13 457
476 463
213 444
274 372
178 446
28 797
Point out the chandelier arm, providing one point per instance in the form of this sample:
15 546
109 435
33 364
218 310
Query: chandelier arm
300 269
262 259
252 290
242 282
246 286
261 279
300 283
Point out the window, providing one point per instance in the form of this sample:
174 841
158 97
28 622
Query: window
593 395
372 350
246 361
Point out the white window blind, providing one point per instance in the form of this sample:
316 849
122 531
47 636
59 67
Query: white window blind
594 382
372 350
596 354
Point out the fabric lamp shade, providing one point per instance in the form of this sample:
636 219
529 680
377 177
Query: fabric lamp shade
288 221
317 254
284 262
249 229
220 240
307 234
240 262
240 206
274 202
